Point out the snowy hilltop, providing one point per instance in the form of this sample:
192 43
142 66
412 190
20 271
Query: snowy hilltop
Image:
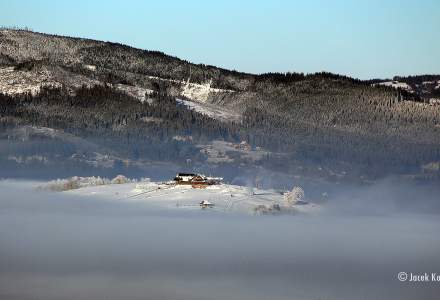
217 197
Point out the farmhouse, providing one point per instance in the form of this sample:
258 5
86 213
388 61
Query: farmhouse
196 180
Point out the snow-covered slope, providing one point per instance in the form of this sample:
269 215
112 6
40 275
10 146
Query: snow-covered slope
224 197
212 111
14 81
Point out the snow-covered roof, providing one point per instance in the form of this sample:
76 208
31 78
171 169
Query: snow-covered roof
205 202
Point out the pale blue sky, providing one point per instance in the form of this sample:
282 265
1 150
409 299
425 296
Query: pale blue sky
364 38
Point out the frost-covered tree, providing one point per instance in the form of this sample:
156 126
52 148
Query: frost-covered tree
292 197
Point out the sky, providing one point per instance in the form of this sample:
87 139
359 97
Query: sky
363 38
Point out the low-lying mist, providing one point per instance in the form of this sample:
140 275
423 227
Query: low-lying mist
56 246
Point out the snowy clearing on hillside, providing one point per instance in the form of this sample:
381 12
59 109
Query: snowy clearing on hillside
17 82
194 91
212 110
134 91
396 85
13 81
200 92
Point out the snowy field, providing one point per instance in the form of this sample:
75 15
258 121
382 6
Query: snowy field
224 197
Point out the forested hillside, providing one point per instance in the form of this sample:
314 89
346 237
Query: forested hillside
124 100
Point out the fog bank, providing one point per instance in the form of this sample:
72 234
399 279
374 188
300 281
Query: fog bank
53 246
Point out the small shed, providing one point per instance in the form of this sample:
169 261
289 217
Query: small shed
206 204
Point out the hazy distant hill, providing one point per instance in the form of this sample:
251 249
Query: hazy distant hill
123 101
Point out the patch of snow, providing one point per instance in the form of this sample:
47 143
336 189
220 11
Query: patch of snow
395 84
194 91
90 67
217 152
212 111
95 159
18 82
183 138
434 101
431 167
197 92
134 91
21 81
152 120
21 159
25 132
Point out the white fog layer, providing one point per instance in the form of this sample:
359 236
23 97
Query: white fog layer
62 246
